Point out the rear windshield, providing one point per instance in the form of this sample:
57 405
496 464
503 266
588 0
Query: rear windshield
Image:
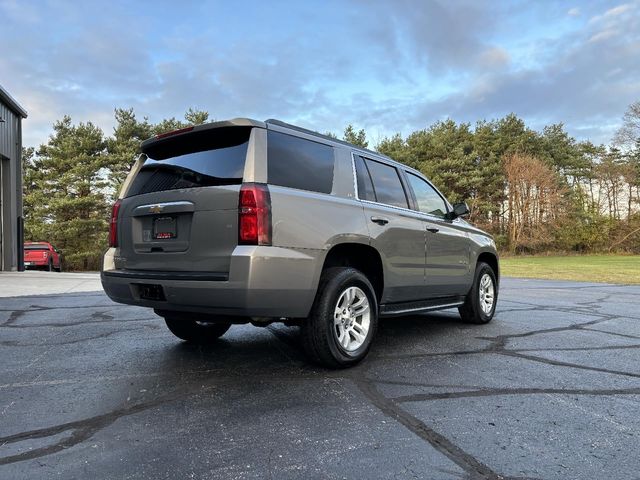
36 247
200 159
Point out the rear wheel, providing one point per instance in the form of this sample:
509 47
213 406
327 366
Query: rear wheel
480 305
343 319
195 331
50 266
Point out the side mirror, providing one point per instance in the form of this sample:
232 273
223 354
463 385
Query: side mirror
459 210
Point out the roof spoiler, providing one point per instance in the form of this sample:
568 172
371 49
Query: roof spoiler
236 122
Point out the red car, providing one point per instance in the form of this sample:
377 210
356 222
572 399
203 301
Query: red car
42 255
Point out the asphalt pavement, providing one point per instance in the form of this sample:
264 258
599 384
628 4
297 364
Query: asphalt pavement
92 389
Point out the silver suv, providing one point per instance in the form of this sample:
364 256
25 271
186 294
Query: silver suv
247 221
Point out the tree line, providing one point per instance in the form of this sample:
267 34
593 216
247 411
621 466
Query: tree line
535 191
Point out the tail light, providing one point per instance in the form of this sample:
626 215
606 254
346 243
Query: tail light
113 225
254 215
45 254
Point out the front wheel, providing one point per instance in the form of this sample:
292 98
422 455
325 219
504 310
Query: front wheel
343 319
194 331
480 305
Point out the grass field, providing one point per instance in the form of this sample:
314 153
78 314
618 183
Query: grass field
586 268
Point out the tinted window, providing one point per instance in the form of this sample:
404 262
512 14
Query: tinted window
36 247
386 184
298 163
365 187
220 162
429 201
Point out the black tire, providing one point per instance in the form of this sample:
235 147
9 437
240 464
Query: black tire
471 310
50 266
319 335
193 331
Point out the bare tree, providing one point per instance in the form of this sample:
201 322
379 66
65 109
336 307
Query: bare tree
534 199
629 134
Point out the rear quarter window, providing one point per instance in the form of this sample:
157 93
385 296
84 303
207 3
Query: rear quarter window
365 186
299 163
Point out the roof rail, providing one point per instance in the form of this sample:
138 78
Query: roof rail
280 123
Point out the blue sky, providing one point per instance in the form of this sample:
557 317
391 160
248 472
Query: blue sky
394 66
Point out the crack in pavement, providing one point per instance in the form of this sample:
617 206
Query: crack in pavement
559 363
492 392
577 349
94 318
457 455
74 324
559 308
81 430
17 313
624 335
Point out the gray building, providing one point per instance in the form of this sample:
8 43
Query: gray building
11 115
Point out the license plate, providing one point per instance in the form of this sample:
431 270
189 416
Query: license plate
28 264
151 292
164 228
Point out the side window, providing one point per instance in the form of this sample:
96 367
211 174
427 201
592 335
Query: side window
429 201
386 184
365 187
298 163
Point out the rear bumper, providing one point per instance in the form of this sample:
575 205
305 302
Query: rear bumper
36 263
262 282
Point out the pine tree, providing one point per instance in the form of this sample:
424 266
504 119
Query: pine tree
358 138
66 185
124 146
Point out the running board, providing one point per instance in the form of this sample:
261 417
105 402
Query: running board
408 308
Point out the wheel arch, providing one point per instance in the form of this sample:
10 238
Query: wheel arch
491 259
360 256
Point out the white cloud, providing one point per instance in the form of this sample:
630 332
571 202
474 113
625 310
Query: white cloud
603 35
612 13
619 10
574 12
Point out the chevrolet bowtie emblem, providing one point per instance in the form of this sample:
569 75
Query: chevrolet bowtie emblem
156 208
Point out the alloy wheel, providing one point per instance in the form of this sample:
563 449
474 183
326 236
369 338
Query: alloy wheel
352 318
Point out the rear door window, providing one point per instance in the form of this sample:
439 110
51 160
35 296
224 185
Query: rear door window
387 186
299 163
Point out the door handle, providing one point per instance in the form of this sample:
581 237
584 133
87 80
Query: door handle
380 220
433 229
